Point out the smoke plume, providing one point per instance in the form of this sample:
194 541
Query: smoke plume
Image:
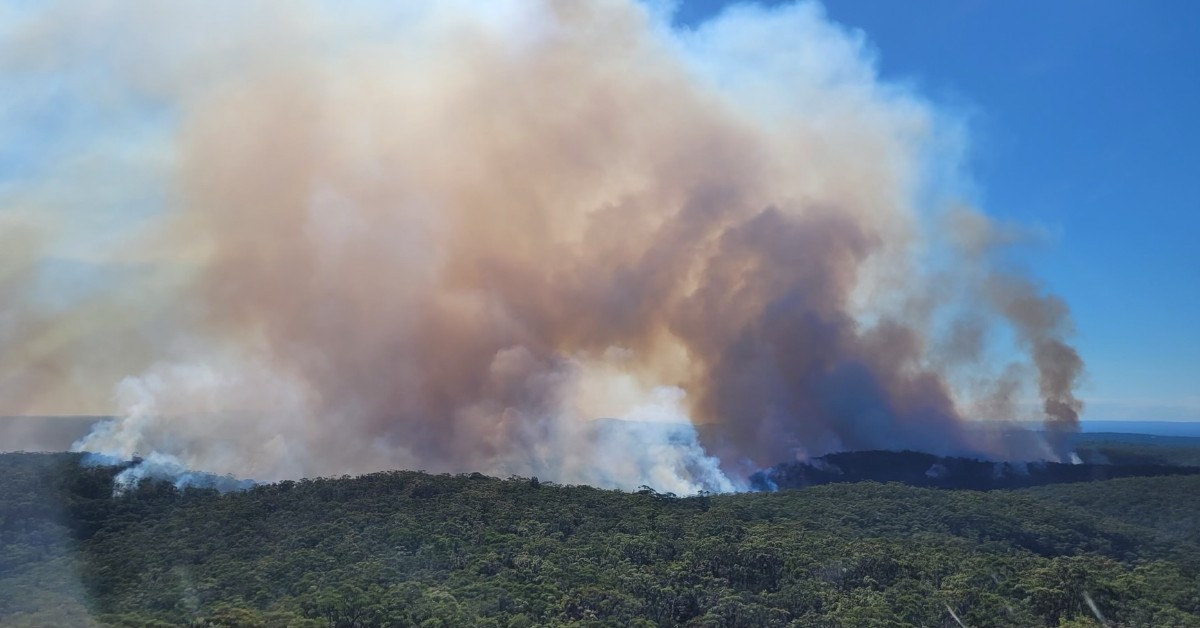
453 236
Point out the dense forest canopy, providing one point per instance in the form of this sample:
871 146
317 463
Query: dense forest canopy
409 548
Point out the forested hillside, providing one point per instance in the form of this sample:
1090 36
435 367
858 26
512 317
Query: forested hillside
921 469
407 548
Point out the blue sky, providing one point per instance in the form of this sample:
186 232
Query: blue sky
1084 119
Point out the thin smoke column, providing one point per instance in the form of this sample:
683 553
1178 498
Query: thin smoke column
461 236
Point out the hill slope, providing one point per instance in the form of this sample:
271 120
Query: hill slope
406 548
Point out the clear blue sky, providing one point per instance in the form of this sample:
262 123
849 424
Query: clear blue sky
1085 122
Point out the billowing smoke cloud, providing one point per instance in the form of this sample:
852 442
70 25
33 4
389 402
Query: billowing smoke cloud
452 235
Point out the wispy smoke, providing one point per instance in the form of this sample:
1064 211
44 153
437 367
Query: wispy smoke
1040 321
162 467
451 235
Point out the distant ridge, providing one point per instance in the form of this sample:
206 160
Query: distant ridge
927 470
1152 428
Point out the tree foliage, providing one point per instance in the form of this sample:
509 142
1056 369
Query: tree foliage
412 549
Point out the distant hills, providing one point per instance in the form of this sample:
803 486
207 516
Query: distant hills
1148 428
56 433
930 471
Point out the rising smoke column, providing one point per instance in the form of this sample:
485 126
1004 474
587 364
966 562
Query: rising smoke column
1040 321
450 236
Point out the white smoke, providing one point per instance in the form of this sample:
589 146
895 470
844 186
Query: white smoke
460 236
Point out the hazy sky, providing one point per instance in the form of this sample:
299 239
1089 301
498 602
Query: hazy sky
1083 123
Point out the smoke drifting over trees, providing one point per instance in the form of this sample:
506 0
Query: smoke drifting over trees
451 235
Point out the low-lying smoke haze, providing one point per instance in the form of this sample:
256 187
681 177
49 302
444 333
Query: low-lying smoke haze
330 239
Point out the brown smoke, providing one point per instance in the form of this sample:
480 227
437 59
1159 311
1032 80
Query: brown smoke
1040 321
449 237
